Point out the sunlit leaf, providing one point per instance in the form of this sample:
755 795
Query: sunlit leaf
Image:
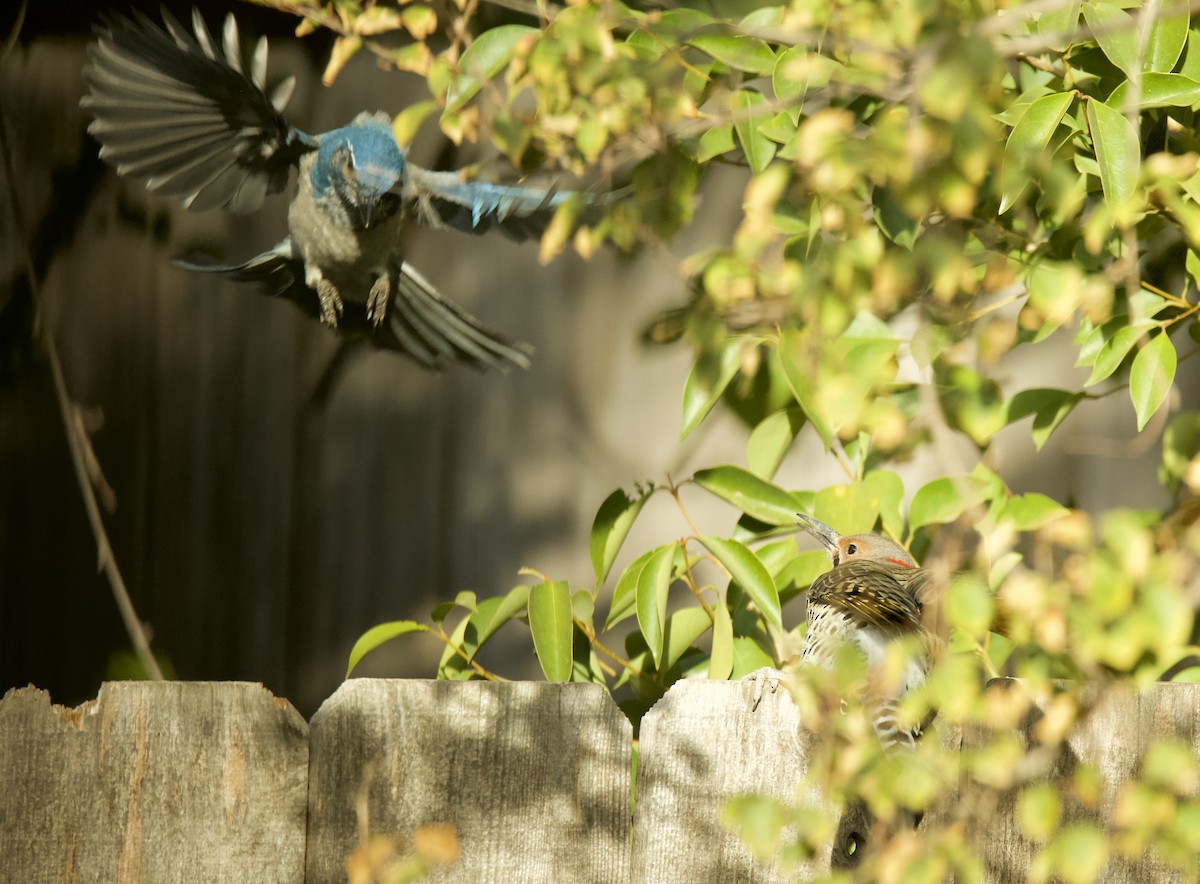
1116 32
681 631
720 661
1028 139
750 574
770 441
1158 90
1030 511
653 584
1049 408
610 528
757 497
484 59
1165 42
935 503
1117 151
1151 377
738 51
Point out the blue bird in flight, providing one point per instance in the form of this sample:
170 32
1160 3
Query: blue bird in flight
181 114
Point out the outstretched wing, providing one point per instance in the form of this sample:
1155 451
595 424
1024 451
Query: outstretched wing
179 114
419 322
478 206
872 592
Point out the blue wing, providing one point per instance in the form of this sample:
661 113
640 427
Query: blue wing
176 113
477 206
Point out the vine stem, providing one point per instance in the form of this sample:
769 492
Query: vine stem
80 446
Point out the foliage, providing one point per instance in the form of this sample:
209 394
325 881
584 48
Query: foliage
930 188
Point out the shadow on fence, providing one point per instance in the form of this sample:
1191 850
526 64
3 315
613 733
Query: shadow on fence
221 781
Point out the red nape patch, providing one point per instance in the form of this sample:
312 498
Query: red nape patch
900 563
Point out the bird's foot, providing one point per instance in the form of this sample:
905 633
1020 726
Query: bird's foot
331 301
760 680
377 300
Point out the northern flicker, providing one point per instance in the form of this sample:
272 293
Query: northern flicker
874 594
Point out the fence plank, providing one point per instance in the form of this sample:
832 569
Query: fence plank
534 777
700 745
179 781
1112 739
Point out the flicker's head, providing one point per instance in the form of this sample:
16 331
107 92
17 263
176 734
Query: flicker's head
870 547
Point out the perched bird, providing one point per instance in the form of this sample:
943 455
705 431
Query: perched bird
874 594
182 114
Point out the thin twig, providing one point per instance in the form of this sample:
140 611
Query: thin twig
78 442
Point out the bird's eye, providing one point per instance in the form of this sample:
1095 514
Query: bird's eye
852 549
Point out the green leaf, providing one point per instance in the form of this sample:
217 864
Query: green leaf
714 142
625 594
748 107
1165 44
681 631
770 441
409 120
652 587
1113 351
377 635
720 661
750 574
794 73
740 52
483 59
1060 19
551 626
748 656
610 528
1151 377
1028 512
890 491
491 615
707 381
754 496
1027 141
1117 151
1158 90
1116 32
1049 407
851 508
935 503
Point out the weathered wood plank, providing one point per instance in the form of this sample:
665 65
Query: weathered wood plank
701 745
154 782
533 776
1112 739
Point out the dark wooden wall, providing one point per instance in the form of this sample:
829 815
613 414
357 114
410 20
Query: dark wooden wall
270 509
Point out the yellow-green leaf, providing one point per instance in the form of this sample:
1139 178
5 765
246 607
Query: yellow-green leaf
378 635
1118 152
750 574
652 586
551 626
1151 377
754 496
610 528
1028 139
720 661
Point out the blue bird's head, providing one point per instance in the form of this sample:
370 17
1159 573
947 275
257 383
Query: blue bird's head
359 165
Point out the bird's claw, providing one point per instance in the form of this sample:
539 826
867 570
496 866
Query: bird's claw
377 300
760 680
331 301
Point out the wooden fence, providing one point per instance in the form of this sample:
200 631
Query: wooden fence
221 781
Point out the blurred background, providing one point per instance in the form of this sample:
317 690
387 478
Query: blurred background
275 496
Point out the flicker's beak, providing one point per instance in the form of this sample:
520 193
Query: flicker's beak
828 537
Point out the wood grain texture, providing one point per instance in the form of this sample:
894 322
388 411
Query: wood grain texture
535 777
701 745
154 782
